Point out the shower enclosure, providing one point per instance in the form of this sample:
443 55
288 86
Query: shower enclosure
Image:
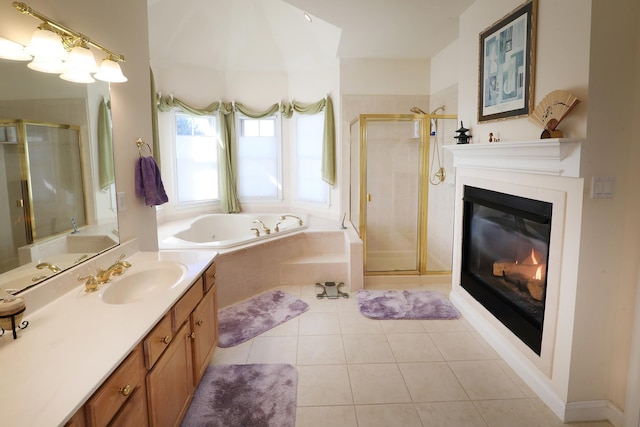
43 184
396 175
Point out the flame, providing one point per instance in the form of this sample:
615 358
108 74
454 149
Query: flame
538 275
534 261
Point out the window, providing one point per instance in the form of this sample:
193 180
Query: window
196 158
309 184
258 159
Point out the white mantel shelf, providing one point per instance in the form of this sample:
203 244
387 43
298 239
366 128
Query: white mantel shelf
557 156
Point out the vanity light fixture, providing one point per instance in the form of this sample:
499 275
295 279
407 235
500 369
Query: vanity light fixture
12 50
58 49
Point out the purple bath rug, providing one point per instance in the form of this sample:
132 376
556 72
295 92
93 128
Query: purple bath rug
424 305
260 395
241 322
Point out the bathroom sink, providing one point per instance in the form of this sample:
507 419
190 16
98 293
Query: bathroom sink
150 280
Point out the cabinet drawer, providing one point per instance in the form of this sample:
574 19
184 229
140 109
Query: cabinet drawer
186 304
115 392
209 277
157 341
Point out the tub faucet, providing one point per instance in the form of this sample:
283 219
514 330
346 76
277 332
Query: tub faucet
50 266
116 269
283 217
256 231
277 227
266 229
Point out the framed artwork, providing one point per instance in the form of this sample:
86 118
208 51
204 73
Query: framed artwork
507 65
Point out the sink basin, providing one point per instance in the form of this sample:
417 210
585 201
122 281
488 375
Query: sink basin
134 286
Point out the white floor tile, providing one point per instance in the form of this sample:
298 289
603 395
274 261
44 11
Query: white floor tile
319 323
378 383
367 348
413 348
432 382
320 385
394 415
450 414
323 416
321 350
485 379
273 350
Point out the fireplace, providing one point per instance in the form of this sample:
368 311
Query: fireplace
505 256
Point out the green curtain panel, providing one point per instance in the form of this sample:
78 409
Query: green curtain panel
106 170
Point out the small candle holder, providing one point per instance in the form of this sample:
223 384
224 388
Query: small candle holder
14 322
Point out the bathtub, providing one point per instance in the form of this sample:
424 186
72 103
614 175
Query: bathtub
222 231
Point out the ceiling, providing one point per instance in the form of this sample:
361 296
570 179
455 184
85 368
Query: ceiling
273 35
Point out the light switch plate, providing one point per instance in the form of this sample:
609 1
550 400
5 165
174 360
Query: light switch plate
122 201
602 187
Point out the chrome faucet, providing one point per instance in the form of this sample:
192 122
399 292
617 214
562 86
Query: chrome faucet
277 227
116 269
50 266
283 217
256 231
266 229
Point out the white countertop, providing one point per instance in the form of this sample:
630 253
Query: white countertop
74 343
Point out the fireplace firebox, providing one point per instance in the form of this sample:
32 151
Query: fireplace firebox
505 254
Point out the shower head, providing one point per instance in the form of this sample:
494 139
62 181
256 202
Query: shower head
439 108
416 110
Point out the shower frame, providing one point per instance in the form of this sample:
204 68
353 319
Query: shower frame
363 196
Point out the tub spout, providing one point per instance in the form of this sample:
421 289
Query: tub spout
266 229
283 217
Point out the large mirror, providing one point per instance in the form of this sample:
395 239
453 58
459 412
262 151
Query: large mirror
57 195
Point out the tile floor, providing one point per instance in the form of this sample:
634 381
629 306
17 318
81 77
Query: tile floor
358 372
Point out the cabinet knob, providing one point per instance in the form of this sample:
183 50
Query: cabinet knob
192 335
125 391
199 322
166 339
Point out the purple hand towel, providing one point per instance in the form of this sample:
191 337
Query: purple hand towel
149 183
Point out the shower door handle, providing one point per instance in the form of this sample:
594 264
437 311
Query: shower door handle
368 197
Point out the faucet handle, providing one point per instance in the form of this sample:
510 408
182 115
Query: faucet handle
91 284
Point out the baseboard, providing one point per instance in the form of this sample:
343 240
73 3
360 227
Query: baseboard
594 410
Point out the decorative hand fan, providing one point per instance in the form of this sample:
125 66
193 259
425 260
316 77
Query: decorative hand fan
551 110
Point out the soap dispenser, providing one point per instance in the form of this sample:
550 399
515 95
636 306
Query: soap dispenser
11 311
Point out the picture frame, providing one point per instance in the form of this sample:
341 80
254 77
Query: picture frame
507 65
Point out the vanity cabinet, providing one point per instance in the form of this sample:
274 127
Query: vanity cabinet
156 382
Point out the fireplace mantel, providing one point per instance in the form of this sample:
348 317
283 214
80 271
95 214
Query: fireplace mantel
557 156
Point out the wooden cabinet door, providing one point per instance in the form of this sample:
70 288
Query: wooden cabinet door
134 412
205 334
170 383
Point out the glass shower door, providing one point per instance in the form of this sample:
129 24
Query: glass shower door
392 193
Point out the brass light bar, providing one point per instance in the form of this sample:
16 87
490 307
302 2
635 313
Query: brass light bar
63 30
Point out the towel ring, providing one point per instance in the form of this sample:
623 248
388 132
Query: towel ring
140 143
